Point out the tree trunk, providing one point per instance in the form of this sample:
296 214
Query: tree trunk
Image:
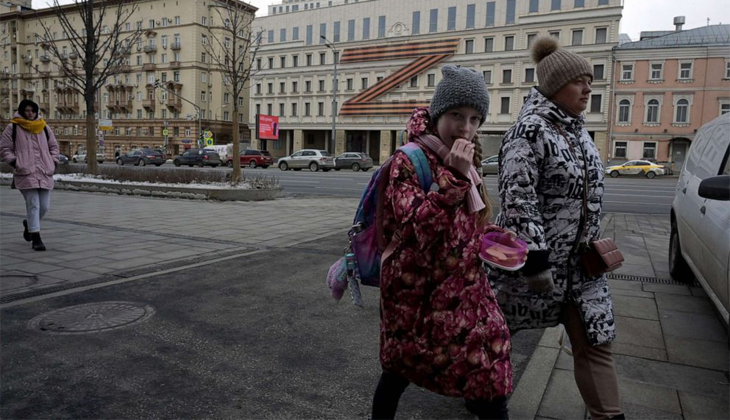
236 175
91 164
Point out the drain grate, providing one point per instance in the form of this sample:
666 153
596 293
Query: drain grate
91 317
649 280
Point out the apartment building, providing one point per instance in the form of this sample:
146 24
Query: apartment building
667 85
389 57
170 49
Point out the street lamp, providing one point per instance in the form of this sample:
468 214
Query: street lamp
331 46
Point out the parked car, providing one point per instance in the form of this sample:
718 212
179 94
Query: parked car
142 157
223 150
199 157
354 160
254 158
636 167
62 159
700 217
81 157
490 165
308 158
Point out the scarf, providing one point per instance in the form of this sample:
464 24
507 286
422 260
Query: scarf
35 126
473 198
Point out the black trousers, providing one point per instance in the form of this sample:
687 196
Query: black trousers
391 387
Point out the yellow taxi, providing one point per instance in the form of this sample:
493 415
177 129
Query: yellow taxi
636 167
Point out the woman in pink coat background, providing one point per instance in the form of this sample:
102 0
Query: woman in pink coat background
34 155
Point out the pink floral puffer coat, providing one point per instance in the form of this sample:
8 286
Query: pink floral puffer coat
34 155
441 327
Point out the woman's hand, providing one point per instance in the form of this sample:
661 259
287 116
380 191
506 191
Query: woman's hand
461 156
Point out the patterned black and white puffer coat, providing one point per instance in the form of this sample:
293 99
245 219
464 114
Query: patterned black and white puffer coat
541 187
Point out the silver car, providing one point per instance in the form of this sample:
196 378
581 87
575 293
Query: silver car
308 158
490 165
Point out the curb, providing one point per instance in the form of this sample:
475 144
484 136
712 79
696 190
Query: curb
526 398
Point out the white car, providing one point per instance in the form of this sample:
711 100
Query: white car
81 157
700 236
308 158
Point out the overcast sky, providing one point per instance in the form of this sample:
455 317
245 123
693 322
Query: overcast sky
638 15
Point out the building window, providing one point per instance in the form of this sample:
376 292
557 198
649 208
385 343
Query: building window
282 35
579 3
655 71
202 96
258 88
510 18
310 31
555 34
504 106
507 76
603 2
534 6
433 20
351 30
322 33
727 70
682 113
488 44
295 33
308 86
322 59
321 86
598 72
490 13
364 83
270 87
627 72
294 110
350 84
601 35
529 75
724 107
596 101
509 43
451 21
577 37
270 110
309 60
649 151
469 46
619 149
381 26
487 76
336 35
295 61
414 82
307 110
431 80
320 109
555 5
366 28
470 12
624 111
282 62
685 71
530 39
416 24
652 111
270 36
282 87
294 87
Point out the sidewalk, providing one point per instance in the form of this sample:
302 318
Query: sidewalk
671 351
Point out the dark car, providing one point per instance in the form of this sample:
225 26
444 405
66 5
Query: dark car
142 157
254 158
62 159
353 160
199 157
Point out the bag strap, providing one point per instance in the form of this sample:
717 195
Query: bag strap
14 130
45 130
584 170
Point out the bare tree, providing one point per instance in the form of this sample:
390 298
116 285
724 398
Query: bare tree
233 48
98 49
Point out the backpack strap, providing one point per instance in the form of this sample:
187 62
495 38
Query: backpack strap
45 130
14 129
420 162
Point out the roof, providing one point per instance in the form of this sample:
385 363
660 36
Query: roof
705 35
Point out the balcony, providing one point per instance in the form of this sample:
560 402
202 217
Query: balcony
63 57
175 46
45 106
45 59
73 55
149 67
126 106
27 60
5 91
149 104
174 104
174 64
149 49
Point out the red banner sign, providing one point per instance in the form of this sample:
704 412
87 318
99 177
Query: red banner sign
267 127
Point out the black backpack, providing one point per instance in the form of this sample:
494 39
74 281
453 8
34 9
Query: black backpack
45 130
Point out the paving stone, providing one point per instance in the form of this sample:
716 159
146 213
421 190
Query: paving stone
30 267
643 413
635 307
129 255
666 288
703 407
699 353
649 396
692 326
628 349
562 400
682 303
642 332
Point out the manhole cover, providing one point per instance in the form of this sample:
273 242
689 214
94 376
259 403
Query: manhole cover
92 317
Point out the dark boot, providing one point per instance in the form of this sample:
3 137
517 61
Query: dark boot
26 234
37 243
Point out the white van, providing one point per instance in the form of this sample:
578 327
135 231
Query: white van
700 216
223 150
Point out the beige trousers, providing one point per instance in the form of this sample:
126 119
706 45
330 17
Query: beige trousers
593 367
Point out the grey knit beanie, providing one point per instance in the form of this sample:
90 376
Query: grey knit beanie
556 67
459 87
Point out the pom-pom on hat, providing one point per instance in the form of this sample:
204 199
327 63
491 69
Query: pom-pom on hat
556 66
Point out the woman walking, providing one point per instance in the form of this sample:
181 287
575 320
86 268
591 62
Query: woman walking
544 161
30 146
441 327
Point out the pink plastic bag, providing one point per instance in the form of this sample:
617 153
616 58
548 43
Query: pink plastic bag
337 278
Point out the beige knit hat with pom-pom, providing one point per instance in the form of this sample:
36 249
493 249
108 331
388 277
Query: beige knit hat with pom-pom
556 66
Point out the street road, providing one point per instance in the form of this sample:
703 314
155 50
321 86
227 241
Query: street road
623 195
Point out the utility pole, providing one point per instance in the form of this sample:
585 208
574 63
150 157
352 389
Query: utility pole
333 141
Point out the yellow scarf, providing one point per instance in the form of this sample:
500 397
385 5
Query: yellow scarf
34 127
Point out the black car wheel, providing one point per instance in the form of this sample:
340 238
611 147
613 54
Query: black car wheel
283 166
252 164
337 169
158 164
355 167
120 162
326 169
313 167
200 164
142 162
229 164
650 175
176 162
678 268
614 174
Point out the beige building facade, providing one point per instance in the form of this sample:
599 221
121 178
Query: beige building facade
667 86
170 50
389 59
